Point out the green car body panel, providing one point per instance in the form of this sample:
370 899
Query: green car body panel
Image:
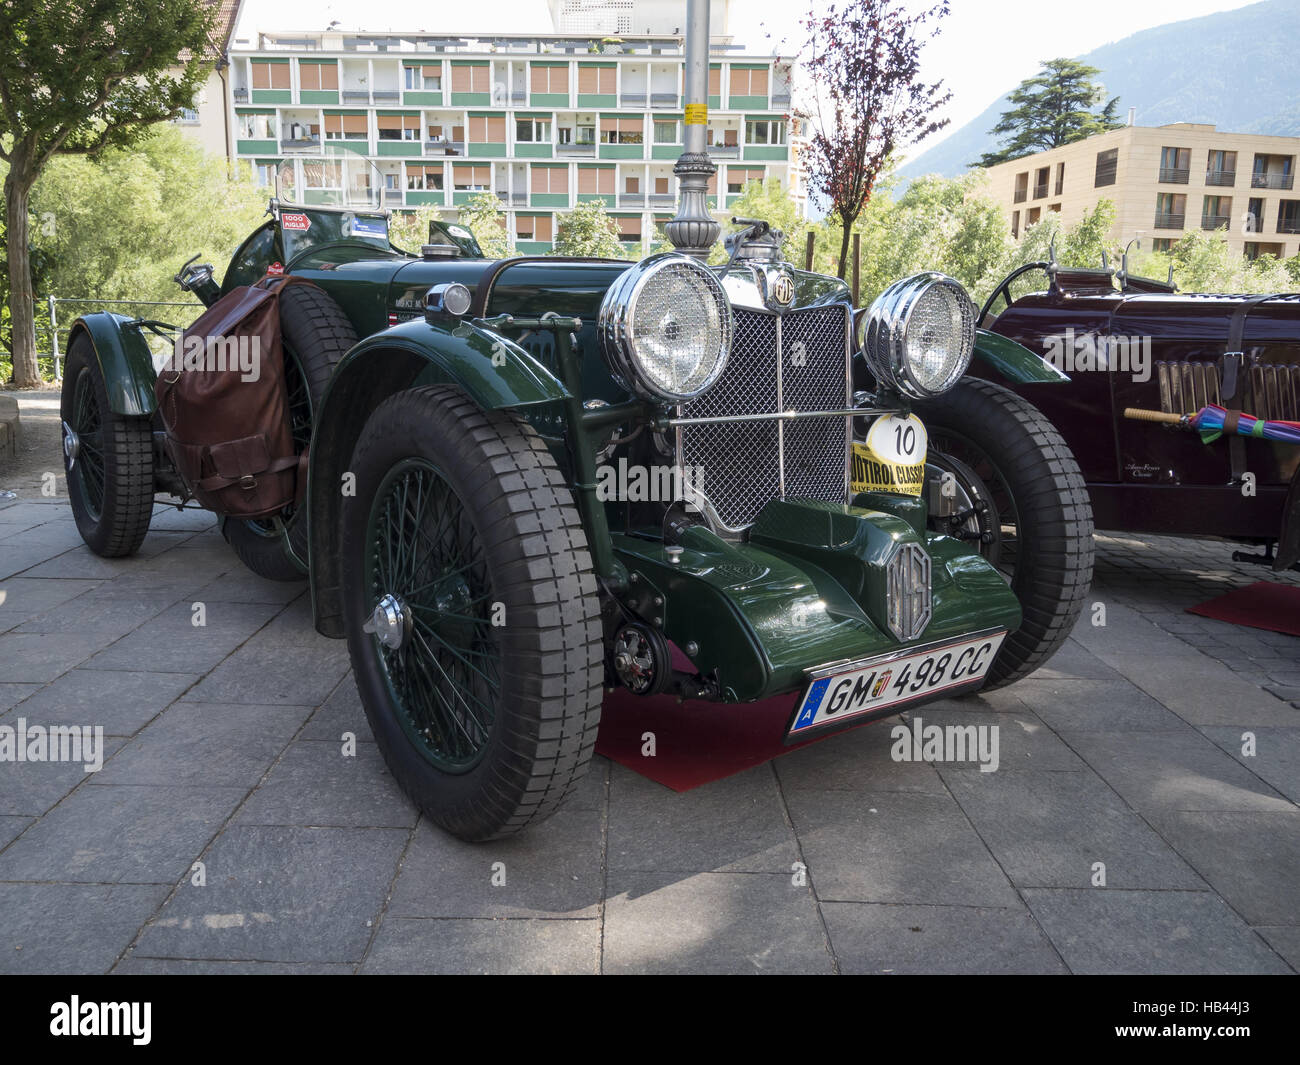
1014 363
125 360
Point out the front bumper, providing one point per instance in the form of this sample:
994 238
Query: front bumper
806 589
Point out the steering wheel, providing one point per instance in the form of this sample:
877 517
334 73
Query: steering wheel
1004 289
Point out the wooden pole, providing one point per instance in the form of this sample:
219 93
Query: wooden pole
808 254
857 264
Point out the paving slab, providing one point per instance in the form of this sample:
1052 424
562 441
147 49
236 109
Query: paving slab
121 702
485 946
32 788
871 938
712 923
1275 756
282 895
171 642
1103 931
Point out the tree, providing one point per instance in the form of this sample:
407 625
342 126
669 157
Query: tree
81 76
1058 105
483 217
863 58
588 231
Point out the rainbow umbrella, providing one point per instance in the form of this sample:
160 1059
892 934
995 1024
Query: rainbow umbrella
1210 421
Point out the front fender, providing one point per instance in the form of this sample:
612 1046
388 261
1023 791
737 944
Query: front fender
124 359
493 371
1013 362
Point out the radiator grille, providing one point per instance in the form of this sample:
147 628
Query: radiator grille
797 361
1186 387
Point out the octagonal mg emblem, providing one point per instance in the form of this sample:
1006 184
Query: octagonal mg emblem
781 291
907 590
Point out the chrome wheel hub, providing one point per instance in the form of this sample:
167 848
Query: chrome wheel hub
71 446
390 622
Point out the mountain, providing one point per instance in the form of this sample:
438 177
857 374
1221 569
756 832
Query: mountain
1236 69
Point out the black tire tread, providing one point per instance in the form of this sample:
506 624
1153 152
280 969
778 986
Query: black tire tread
554 667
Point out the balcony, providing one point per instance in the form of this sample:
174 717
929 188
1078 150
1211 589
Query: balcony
1288 225
240 95
1174 175
576 149
632 99
356 96
1021 195
664 99
443 146
1212 222
780 98
1040 190
663 199
1169 220
514 199
387 96
725 151
1272 181
300 144
631 199
1222 178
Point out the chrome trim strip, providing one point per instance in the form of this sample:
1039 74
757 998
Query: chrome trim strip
780 401
789 416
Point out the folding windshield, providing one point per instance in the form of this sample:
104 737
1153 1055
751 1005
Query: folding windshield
303 228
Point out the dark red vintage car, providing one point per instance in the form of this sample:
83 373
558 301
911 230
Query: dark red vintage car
1131 345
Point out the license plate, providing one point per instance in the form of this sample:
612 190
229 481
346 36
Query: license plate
849 690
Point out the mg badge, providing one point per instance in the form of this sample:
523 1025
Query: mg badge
782 290
907 591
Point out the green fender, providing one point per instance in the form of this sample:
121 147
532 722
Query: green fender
1014 362
493 371
124 359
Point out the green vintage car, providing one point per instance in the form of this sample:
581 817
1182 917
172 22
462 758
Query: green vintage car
538 478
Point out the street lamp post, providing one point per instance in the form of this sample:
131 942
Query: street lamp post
693 231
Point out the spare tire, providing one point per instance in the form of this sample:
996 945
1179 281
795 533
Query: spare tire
315 334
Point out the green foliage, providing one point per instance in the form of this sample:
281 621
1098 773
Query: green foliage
1058 105
482 216
1204 262
409 230
588 232
1293 269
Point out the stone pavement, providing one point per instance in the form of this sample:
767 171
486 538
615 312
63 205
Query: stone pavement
224 747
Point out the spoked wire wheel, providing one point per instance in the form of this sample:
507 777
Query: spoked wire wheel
427 572
84 433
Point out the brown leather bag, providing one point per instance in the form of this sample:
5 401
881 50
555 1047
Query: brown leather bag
224 404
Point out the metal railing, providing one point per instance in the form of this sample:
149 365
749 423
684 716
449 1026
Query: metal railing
52 304
1170 220
1288 225
1272 181
1021 195
1175 175
1215 221
1040 190
1226 178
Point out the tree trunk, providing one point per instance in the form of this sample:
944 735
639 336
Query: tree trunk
21 305
845 236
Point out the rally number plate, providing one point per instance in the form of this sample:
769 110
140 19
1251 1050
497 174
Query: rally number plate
850 690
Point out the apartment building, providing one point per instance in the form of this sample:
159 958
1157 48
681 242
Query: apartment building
541 121
1164 181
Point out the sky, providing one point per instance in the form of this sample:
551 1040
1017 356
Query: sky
985 48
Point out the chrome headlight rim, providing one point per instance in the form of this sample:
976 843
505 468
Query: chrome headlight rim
883 339
618 310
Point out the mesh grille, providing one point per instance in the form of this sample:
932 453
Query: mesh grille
742 460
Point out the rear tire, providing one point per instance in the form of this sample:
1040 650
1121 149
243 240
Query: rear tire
1040 512
110 482
315 334
487 704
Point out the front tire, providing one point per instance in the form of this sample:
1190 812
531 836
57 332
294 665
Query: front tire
108 459
1039 520
473 621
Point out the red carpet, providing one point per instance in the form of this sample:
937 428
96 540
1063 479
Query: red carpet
1262 605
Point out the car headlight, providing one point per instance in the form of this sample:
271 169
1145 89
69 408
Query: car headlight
919 334
666 328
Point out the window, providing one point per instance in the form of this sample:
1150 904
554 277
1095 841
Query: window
345 127
1022 187
1060 179
729 138
420 78
739 176
748 82
596 180
257 127
586 135
758 131
1216 211
632 185
322 173
533 130
629 229
188 117
533 227
715 81
487 129
268 74
1164 244
398 127
666 131
1255 215
550 180
1175 165
1107 165
549 79
1221 168
425 178
621 131
1040 182
318 76
1288 216
1032 216
471 177
661 186
474 77
597 81
1015 223
264 174
1171 210
1054 207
